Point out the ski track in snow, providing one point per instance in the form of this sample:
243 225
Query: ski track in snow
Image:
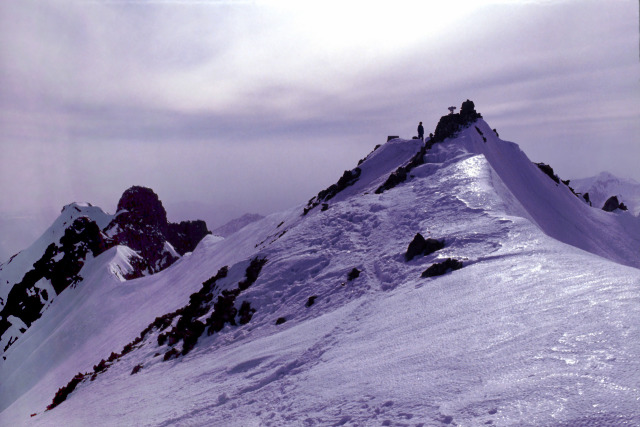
530 332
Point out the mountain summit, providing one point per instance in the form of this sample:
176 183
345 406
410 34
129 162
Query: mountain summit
471 289
146 243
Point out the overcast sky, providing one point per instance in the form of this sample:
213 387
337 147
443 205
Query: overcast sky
255 106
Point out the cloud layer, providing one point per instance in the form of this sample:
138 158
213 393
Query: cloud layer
258 105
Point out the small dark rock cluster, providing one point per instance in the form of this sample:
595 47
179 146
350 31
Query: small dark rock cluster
65 391
347 179
400 175
612 204
548 170
443 267
311 301
481 134
353 274
188 329
421 246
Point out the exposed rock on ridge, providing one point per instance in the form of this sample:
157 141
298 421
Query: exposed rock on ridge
447 127
450 124
140 224
612 204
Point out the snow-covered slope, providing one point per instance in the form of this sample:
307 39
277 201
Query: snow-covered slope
552 206
31 279
605 185
236 224
539 327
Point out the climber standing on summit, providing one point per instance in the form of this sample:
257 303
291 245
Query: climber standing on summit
420 132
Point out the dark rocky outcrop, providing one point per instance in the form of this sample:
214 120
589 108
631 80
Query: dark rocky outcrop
400 174
311 301
353 274
421 246
245 313
347 179
451 124
443 267
63 392
612 204
60 265
548 170
186 235
141 224
142 205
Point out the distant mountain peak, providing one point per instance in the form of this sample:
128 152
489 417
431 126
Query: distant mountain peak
30 280
604 185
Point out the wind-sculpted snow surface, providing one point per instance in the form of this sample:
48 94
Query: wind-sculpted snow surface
552 206
530 331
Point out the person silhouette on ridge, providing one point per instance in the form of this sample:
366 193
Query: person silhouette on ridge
420 131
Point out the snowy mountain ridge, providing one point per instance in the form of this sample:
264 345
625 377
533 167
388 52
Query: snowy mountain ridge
538 327
605 185
33 278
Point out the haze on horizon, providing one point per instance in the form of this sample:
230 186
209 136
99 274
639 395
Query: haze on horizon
255 106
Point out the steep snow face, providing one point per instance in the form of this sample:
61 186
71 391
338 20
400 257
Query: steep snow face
605 185
553 207
379 164
30 280
371 170
123 262
103 313
531 331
